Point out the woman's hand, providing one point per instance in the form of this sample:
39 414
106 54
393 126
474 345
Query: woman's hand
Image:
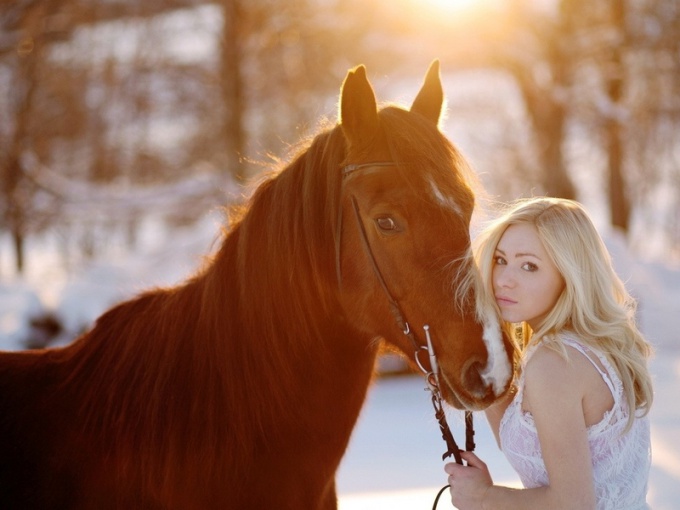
468 483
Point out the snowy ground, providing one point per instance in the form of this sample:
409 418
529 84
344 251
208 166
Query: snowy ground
394 457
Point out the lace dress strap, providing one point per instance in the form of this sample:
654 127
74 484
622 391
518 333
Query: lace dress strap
619 411
604 368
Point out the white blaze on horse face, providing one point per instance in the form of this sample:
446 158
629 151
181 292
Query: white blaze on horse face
448 202
498 370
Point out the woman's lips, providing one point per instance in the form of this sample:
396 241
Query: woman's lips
503 300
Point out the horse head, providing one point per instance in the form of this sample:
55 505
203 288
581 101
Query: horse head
403 251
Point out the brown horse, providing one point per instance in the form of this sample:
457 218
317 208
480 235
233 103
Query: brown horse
239 388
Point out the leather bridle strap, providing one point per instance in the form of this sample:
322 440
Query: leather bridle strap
348 169
397 313
396 310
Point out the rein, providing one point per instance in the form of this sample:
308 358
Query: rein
432 375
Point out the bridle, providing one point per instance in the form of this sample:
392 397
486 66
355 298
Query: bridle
432 375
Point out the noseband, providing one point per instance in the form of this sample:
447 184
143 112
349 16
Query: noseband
432 375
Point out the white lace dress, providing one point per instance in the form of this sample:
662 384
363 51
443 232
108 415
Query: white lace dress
620 462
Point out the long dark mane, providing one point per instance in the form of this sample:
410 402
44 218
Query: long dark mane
158 370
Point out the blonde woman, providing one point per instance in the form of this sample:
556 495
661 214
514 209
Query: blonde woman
576 428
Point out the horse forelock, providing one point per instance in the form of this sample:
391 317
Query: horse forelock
429 161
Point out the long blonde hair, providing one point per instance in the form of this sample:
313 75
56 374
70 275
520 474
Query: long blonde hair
594 304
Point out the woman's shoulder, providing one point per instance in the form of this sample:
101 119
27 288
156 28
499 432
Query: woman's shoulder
556 362
564 344
552 385
548 366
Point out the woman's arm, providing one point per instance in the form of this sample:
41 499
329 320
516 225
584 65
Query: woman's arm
553 393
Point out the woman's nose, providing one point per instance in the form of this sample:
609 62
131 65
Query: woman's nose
504 279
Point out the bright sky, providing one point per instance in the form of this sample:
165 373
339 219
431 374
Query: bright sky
450 7
445 11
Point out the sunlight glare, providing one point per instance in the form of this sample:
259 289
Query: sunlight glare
452 6
446 10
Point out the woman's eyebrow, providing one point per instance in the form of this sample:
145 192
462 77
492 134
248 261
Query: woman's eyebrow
521 254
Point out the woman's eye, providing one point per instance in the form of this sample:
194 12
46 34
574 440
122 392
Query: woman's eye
529 266
499 261
387 224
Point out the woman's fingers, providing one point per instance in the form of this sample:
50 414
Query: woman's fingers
473 460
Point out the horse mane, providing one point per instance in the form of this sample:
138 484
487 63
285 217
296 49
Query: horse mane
221 349
203 351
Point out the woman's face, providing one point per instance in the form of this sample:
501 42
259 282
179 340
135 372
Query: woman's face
526 283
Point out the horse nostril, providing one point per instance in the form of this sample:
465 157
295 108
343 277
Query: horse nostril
472 378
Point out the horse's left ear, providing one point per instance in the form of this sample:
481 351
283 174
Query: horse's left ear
430 99
358 108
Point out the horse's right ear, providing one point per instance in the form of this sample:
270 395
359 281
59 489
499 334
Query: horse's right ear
358 108
430 99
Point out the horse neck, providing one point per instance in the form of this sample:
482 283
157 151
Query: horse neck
297 354
284 322
249 345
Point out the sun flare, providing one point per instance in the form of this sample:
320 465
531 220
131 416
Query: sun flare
446 10
452 6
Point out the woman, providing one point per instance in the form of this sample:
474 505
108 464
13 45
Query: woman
575 428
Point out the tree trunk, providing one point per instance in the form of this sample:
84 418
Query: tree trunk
548 117
550 132
17 204
14 209
232 136
619 205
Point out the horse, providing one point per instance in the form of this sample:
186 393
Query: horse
239 387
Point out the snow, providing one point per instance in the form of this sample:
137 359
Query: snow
394 458
193 39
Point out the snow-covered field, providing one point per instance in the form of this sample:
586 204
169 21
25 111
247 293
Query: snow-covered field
394 459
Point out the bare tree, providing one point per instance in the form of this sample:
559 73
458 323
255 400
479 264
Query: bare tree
110 92
31 27
619 203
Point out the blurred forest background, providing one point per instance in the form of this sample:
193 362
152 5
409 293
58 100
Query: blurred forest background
113 110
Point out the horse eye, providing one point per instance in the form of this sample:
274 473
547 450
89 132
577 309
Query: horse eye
386 223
